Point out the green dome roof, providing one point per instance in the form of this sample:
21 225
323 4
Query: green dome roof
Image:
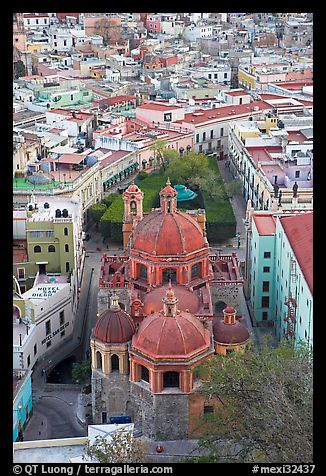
184 194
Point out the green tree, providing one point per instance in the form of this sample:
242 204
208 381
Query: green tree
81 372
187 168
266 405
96 212
122 448
211 184
234 188
158 147
20 69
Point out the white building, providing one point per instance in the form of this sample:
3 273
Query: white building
219 73
36 21
61 40
43 319
194 33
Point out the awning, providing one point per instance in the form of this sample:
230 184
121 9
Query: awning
134 165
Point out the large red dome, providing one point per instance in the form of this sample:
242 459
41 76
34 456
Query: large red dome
114 326
166 234
181 336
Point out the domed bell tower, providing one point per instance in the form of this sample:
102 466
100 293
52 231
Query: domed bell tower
133 210
168 198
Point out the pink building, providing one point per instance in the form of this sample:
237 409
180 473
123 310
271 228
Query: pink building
159 112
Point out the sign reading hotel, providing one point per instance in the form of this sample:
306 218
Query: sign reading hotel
44 291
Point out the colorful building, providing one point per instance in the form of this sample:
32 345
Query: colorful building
278 280
53 241
22 402
273 160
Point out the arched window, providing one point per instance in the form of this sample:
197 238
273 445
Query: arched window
170 379
37 249
114 363
65 231
169 274
67 248
195 270
144 374
143 271
133 207
98 360
51 249
219 306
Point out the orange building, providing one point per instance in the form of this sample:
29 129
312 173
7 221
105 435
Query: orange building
164 320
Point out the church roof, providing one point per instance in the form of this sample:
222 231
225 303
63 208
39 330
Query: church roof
225 333
167 337
187 300
168 234
114 326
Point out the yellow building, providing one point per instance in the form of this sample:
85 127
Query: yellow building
247 77
38 47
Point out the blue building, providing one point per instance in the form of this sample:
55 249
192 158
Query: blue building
22 402
279 277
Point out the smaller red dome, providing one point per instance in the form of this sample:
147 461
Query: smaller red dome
114 326
224 333
229 310
132 188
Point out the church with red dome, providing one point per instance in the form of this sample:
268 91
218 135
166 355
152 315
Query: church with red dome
173 303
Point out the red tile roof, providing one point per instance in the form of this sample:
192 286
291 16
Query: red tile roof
293 85
262 153
296 136
71 158
265 224
237 93
224 112
116 99
299 232
158 106
114 157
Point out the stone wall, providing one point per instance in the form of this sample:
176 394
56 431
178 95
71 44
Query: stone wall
110 394
104 297
230 294
163 416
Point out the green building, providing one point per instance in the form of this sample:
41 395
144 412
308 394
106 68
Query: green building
56 98
279 282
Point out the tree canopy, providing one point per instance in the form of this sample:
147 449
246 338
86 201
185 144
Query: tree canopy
266 412
81 372
96 211
122 448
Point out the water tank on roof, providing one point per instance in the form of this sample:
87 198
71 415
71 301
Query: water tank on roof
30 207
58 213
65 213
46 205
